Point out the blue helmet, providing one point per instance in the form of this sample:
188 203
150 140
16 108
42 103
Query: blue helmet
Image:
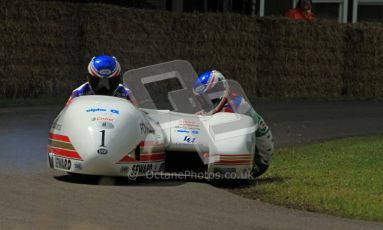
104 66
104 74
206 81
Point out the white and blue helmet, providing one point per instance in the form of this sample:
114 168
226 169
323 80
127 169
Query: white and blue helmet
206 81
104 74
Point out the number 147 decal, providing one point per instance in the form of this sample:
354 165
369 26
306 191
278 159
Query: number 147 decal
189 139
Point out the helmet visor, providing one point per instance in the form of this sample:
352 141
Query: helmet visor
215 93
104 86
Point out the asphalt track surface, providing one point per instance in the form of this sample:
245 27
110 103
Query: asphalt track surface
32 196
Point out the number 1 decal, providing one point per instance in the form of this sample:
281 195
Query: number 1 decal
102 138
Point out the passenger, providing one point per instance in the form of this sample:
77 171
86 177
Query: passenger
104 78
230 101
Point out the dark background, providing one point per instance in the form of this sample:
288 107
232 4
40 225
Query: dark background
274 8
46 46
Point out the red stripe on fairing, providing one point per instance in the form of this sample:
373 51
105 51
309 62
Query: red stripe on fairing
143 157
58 137
233 162
64 153
127 159
234 155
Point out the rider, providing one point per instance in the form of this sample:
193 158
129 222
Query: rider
230 101
104 77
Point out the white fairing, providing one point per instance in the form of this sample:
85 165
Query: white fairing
103 135
84 125
85 120
102 130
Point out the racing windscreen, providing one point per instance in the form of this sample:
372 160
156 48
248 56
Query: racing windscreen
164 86
169 86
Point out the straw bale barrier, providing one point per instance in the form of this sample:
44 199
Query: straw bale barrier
45 48
364 67
300 59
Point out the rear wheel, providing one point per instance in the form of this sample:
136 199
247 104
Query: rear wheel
258 170
259 167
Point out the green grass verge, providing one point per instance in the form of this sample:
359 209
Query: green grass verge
341 177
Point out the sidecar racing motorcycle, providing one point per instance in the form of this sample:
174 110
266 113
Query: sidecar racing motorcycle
166 132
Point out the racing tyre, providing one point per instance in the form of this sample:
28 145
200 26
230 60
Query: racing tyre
258 170
258 167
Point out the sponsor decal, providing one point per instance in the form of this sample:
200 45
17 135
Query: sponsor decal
182 131
102 119
62 163
124 169
93 110
78 166
145 129
188 139
102 151
106 125
262 126
115 111
188 125
187 131
142 168
104 122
